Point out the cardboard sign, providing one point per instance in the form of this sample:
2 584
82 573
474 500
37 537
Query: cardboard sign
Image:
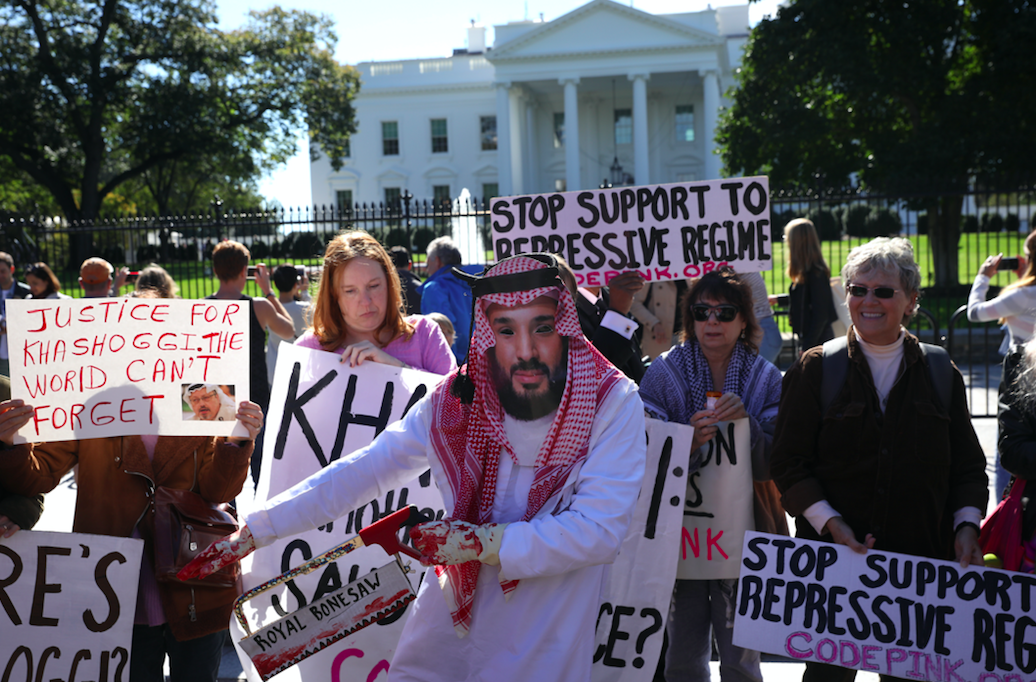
632 616
892 614
67 602
321 411
673 231
718 509
100 367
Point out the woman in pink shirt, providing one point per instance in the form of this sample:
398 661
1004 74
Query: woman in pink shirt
358 312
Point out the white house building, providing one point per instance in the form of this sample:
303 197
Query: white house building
604 93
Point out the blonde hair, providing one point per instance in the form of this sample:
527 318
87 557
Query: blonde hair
1029 278
445 325
155 278
328 324
803 250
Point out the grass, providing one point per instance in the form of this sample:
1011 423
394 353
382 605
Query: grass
196 281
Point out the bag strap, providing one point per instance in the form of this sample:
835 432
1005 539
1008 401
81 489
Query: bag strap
940 372
835 368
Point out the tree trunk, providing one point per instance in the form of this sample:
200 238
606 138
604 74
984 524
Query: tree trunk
944 236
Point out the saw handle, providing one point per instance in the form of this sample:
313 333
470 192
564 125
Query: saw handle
385 532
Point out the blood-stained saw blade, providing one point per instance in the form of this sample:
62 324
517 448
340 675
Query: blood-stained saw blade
279 645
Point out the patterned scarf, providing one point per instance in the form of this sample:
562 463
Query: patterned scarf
695 368
469 438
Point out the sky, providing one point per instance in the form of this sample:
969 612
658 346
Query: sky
412 29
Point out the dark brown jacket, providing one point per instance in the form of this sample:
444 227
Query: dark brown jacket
899 476
115 483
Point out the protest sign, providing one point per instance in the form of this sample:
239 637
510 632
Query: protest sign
718 509
631 619
892 614
320 411
67 602
673 231
99 367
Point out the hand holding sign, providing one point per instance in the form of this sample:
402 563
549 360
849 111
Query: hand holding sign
621 290
14 414
224 552
842 534
250 416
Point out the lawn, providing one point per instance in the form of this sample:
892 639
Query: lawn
196 281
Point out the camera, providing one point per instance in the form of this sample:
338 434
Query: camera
251 271
1008 264
783 300
132 276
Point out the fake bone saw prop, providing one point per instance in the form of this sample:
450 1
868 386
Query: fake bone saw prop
281 644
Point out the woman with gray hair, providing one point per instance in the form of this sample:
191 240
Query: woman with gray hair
891 461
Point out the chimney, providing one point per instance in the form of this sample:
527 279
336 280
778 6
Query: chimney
476 38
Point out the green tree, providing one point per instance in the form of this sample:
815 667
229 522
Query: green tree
95 94
919 96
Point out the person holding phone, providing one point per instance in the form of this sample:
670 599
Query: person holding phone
1015 307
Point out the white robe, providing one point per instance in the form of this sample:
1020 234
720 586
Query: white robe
545 631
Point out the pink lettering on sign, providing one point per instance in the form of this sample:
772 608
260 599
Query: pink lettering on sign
691 540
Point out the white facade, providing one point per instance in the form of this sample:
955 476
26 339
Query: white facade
665 74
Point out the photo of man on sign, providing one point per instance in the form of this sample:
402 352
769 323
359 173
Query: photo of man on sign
208 402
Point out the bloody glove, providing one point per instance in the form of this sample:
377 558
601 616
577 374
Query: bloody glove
450 542
233 547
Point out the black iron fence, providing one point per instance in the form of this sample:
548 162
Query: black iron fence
991 222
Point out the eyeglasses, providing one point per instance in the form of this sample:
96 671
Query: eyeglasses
859 291
724 313
197 400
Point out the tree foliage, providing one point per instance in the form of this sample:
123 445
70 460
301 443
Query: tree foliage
94 95
921 95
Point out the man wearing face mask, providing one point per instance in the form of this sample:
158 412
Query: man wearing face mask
538 448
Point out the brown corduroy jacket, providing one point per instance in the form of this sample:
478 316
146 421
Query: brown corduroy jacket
115 484
899 475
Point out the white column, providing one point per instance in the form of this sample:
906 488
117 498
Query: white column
573 177
530 160
711 105
517 176
503 139
641 162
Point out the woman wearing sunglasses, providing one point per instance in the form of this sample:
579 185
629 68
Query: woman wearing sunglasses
886 464
716 355
811 308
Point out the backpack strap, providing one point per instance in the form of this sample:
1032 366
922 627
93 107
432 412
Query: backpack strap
834 369
940 373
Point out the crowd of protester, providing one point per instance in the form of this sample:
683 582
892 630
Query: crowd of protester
885 457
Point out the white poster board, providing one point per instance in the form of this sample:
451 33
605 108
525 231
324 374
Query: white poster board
316 399
718 509
100 367
673 231
632 616
67 602
892 614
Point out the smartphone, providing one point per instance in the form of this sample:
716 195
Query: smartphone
251 271
1008 264
783 300
132 276
301 270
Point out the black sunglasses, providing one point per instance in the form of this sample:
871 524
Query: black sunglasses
859 291
724 313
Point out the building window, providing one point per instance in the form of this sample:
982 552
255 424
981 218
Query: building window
390 138
490 191
488 125
392 196
344 200
441 197
347 148
684 123
440 143
559 130
623 126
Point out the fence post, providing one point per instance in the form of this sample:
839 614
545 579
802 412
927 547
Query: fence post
407 222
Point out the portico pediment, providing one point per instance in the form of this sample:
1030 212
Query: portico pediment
601 26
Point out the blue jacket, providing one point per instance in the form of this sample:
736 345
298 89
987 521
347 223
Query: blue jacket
444 293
